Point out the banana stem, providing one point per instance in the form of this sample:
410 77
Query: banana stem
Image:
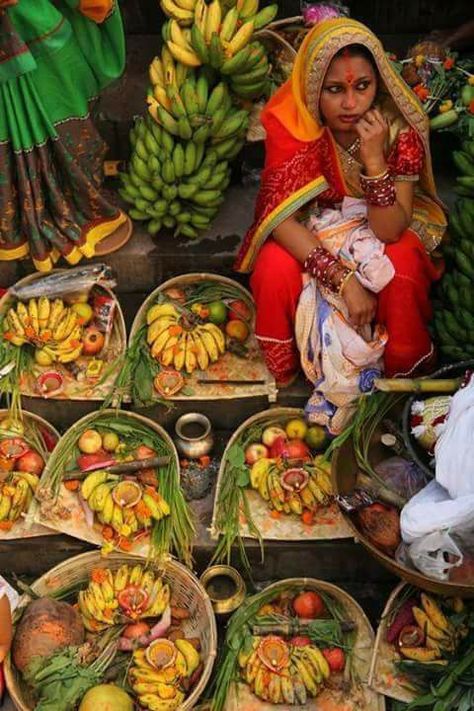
125 468
407 385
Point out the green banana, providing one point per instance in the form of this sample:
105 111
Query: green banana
184 128
202 92
265 16
168 172
178 160
199 44
167 121
231 126
464 163
237 62
216 52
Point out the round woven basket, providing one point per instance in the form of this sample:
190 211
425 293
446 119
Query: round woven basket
45 425
185 280
69 526
362 651
186 590
344 476
119 333
274 413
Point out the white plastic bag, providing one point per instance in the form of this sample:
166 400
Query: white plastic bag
454 450
435 555
432 510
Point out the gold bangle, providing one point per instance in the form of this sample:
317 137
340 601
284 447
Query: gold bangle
344 281
374 177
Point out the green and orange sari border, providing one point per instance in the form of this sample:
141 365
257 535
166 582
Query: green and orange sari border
285 209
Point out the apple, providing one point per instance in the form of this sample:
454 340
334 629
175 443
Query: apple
271 433
254 452
90 442
110 441
290 449
84 312
237 329
239 310
30 462
84 461
93 341
144 452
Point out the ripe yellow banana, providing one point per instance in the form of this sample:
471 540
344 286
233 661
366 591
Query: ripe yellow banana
240 39
44 307
213 20
157 327
156 73
170 8
180 352
200 15
23 314
217 334
202 355
34 315
188 5
161 97
159 310
190 360
56 312
209 344
188 57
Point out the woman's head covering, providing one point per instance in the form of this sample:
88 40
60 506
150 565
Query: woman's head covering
293 113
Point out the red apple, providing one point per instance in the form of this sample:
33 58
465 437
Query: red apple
271 433
254 452
278 447
144 452
292 449
30 462
84 461
93 341
239 310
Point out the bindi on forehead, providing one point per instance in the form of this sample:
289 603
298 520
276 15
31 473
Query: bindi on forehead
349 74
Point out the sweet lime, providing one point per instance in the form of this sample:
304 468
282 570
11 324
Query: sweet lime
316 437
217 312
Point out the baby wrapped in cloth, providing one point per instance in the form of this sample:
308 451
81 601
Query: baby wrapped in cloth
339 359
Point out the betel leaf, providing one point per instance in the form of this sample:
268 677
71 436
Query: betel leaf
235 456
243 478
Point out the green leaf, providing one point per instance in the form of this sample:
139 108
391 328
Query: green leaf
243 478
236 457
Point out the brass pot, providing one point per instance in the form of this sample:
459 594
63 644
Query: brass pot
194 445
232 588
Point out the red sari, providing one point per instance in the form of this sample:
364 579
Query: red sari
303 164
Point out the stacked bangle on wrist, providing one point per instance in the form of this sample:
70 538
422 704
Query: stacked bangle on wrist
379 190
327 270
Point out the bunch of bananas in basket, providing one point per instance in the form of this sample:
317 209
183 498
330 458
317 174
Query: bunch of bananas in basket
210 61
454 321
288 674
185 346
50 325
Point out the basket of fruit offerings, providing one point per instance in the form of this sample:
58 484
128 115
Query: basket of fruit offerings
274 483
117 634
192 338
300 643
26 443
62 335
424 650
113 480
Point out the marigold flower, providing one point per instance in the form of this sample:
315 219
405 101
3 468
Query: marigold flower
445 106
448 63
98 575
421 91
471 107
419 60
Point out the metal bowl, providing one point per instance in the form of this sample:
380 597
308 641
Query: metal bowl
419 455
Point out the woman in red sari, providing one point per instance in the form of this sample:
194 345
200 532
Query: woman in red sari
344 124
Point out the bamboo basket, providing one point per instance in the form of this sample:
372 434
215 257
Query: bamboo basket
118 341
75 525
23 528
256 365
186 589
383 675
241 698
344 475
287 527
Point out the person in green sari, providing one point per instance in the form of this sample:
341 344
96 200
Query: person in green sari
55 58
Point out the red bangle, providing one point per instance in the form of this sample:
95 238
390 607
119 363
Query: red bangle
327 270
379 190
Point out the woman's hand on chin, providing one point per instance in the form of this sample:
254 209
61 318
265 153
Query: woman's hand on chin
373 131
360 302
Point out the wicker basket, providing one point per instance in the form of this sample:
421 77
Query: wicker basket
76 525
363 647
344 475
288 527
383 657
186 590
118 340
23 529
203 392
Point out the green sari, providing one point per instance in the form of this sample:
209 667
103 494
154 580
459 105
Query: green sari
53 62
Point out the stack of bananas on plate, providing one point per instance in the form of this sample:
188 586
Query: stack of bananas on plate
292 676
130 591
173 342
49 325
16 495
101 491
196 124
454 319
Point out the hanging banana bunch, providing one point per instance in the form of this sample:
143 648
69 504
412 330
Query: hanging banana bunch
179 167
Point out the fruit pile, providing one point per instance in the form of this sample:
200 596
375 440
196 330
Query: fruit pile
125 504
58 331
190 329
179 168
165 665
285 471
454 321
422 632
284 669
20 469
